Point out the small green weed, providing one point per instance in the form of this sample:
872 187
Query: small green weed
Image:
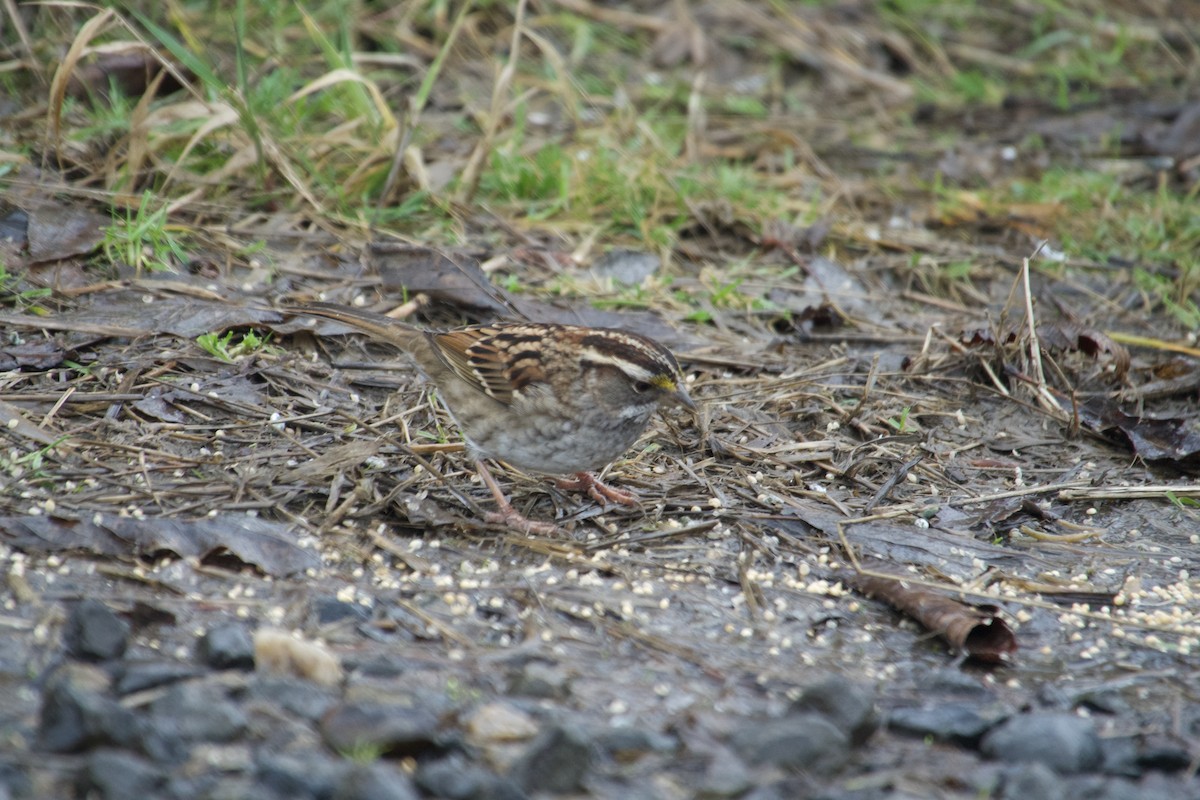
225 348
30 465
11 291
1183 502
900 424
143 239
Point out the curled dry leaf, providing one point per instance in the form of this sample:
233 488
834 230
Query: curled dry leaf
977 630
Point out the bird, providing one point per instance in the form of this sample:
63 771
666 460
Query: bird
547 398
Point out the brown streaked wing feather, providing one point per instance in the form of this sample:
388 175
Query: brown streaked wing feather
490 358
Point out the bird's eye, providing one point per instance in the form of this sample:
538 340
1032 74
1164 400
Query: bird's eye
641 386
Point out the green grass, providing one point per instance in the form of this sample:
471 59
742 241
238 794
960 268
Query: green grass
299 109
28 466
1157 230
1069 52
13 289
143 239
230 347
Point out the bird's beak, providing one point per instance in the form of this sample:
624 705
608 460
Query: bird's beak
680 398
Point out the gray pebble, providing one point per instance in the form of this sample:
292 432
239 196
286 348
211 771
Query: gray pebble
799 741
1063 742
391 729
77 712
1034 781
555 761
142 675
199 712
961 723
376 781
227 646
95 633
117 775
848 705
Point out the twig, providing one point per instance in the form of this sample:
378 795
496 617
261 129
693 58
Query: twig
1130 492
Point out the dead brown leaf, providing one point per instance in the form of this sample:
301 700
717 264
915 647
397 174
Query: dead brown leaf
976 630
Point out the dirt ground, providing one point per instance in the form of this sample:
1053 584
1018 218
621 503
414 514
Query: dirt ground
961 504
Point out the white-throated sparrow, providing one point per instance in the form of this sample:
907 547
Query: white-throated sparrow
546 398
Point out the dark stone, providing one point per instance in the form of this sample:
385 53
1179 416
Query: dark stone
795 787
455 778
1034 781
1163 755
539 679
555 761
94 633
770 792
77 713
1096 787
210 785
14 780
848 705
1120 756
799 741
117 775
198 712
329 610
376 781
227 646
961 723
1063 742
1109 701
393 730
161 743
725 777
293 695
231 787
142 675
1132 756
382 667
15 660
626 743
299 776
953 682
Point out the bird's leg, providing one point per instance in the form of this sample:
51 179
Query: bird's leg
507 515
597 490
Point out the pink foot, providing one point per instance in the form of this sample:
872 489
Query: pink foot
598 491
509 516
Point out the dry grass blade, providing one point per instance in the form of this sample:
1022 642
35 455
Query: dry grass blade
1130 492
344 75
14 16
62 76
1042 390
412 116
474 168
